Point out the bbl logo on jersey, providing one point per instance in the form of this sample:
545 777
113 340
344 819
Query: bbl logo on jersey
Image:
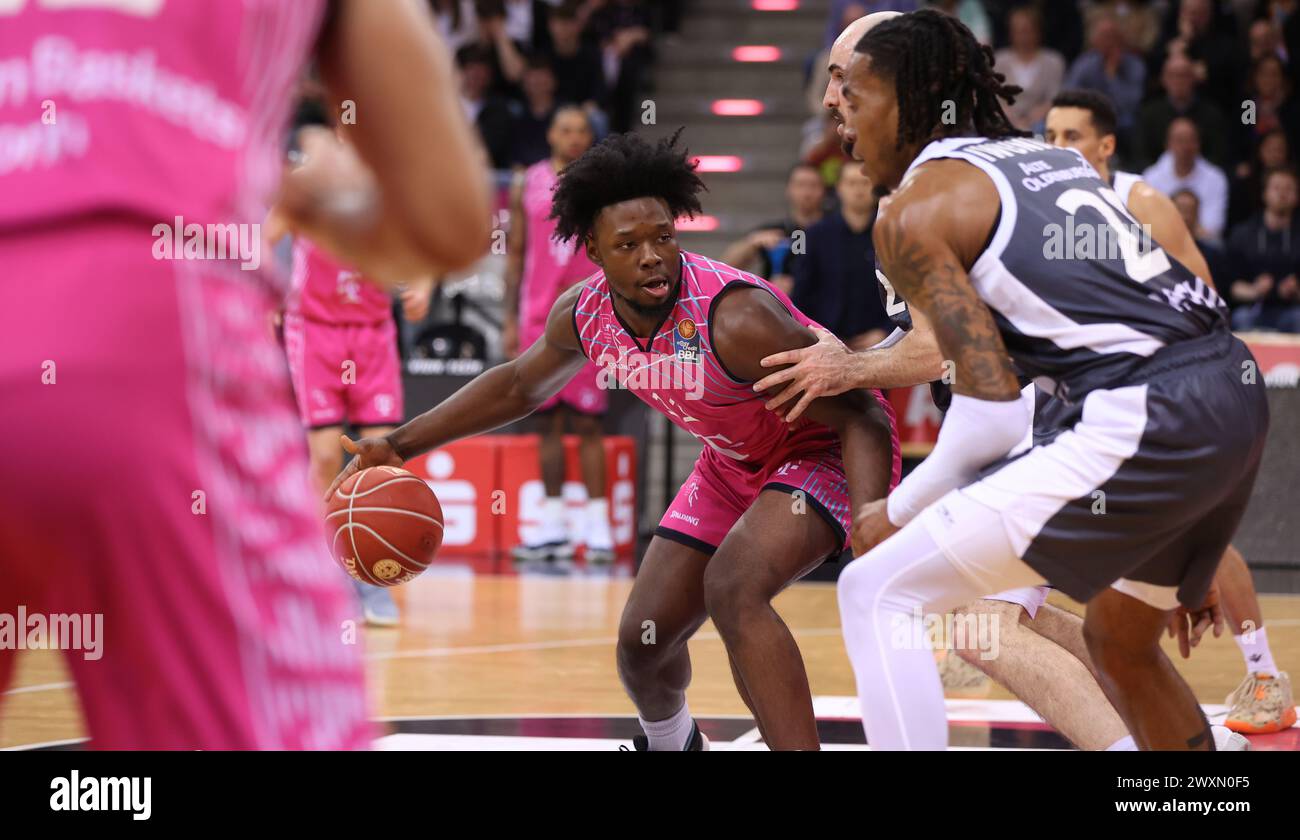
686 340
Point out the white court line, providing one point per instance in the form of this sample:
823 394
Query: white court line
556 644
33 689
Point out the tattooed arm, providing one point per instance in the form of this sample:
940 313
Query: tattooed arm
925 247
927 236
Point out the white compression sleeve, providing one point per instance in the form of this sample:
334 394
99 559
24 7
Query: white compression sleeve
975 433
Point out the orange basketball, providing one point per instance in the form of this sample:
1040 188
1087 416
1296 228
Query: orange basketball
385 525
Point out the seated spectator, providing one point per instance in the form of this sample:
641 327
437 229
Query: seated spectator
622 28
1189 207
1265 38
1182 167
833 20
1178 78
1265 254
1193 31
1275 107
766 250
1272 152
969 12
1110 68
489 113
579 77
833 281
1062 24
1029 65
532 121
1137 19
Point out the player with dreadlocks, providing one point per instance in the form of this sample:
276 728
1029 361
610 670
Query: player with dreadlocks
1151 418
767 501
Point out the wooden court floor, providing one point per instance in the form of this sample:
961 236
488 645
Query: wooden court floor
483 645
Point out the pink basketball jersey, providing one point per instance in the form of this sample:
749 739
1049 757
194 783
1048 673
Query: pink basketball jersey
550 266
146 110
324 291
677 373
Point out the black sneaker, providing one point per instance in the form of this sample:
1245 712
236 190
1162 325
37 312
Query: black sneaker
696 743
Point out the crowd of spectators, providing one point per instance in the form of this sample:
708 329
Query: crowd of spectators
519 60
1206 94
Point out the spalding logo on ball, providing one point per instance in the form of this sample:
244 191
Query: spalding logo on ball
385 525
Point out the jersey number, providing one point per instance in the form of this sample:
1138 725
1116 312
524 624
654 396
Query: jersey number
893 305
1140 267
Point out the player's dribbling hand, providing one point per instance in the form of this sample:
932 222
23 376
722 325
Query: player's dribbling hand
819 370
366 453
871 527
1190 625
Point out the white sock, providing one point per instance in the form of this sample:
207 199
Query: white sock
552 524
669 735
598 534
1259 659
1125 744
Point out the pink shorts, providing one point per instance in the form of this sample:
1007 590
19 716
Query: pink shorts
171 501
583 393
344 372
720 490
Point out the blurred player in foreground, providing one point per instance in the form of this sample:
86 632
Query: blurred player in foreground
201 549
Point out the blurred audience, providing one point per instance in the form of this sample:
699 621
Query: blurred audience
969 12
1111 68
766 251
1247 189
1138 20
487 111
829 279
1028 64
1182 167
1269 89
1264 252
1180 99
1189 207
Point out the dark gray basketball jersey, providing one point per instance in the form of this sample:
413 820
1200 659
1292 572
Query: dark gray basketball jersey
1080 296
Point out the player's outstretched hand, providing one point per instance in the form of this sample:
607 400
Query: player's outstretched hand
820 370
871 527
366 453
1190 625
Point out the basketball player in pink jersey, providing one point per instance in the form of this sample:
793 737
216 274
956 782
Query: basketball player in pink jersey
170 493
341 343
539 269
767 501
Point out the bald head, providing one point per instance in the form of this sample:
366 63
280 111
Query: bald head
840 55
